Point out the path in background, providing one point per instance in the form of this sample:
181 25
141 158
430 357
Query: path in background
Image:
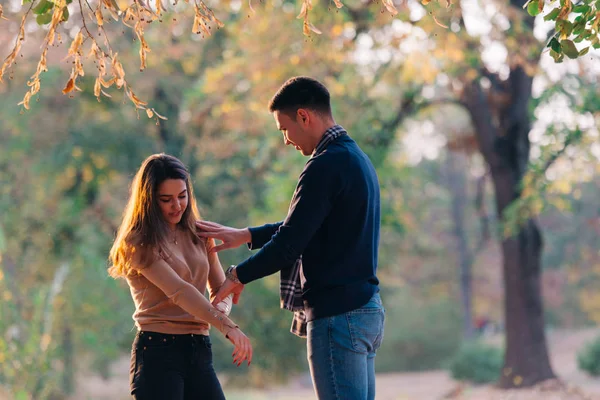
432 385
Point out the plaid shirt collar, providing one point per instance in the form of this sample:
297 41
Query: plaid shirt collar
330 135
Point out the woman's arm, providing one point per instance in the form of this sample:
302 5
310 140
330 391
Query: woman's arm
216 277
186 295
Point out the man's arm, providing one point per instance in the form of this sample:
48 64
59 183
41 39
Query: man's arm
262 234
312 202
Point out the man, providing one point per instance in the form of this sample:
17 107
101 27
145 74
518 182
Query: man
329 241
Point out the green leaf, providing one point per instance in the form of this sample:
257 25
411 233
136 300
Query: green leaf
552 15
65 14
565 27
584 51
533 8
558 57
579 27
44 19
554 45
569 49
43 7
26 1
582 9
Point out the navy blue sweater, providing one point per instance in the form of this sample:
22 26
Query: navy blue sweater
333 222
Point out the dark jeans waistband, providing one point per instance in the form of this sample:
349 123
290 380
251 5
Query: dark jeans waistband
149 338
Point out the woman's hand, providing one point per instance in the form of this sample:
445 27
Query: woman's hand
242 347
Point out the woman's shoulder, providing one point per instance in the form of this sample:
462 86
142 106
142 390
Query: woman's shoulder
140 253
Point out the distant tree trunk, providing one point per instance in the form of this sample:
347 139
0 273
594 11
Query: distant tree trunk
457 186
502 130
68 384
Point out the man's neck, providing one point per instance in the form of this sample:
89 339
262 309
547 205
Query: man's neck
326 126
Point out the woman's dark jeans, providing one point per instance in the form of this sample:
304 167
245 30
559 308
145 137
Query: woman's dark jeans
173 367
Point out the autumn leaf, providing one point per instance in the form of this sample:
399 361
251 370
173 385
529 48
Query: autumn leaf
25 102
438 22
149 113
389 5
138 103
97 87
338 3
158 115
1 14
69 87
99 17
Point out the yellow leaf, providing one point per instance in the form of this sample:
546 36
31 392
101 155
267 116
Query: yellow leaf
158 115
389 5
438 22
25 101
1 12
149 113
97 87
517 380
99 18
314 29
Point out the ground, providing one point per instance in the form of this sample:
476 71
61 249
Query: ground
433 385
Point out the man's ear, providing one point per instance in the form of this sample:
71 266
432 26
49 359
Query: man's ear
303 116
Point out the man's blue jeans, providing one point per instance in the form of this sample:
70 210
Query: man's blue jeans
341 352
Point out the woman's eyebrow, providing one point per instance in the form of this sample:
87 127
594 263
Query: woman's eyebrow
168 195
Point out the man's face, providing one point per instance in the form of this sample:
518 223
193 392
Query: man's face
294 132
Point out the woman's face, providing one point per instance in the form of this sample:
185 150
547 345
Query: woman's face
173 200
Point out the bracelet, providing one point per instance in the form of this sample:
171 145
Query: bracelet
229 274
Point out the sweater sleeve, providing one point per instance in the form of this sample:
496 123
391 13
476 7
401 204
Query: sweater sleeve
186 296
312 201
262 234
216 277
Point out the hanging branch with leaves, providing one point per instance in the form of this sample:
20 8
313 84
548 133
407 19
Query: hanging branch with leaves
140 13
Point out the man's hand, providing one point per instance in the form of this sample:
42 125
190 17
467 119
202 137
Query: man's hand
228 288
230 237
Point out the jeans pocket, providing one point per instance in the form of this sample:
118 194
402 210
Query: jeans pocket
366 329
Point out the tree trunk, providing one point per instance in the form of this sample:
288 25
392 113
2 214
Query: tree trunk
526 360
456 181
502 131
68 378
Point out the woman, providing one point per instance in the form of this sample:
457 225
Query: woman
168 269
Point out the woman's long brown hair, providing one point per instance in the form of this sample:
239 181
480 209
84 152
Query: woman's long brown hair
143 228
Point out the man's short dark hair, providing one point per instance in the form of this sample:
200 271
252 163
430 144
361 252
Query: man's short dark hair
301 92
